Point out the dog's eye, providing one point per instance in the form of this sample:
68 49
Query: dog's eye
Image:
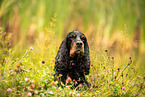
73 36
82 37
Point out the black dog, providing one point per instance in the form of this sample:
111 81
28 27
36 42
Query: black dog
73 59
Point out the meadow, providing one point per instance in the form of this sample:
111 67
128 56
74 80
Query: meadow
31 33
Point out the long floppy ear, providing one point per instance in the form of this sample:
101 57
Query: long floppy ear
85 59
61 60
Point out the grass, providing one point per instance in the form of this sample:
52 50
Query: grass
28 46
32 75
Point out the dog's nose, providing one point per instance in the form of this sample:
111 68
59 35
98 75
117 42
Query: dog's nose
79 43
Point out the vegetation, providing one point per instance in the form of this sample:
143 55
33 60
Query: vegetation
31 32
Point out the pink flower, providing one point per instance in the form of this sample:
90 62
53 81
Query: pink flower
29 94
123 88
101 63
108 70
118 69
9 89
136 94
78 95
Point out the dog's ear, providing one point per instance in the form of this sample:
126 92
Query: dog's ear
61 60
86 57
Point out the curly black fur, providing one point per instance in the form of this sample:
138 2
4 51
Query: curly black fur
63 60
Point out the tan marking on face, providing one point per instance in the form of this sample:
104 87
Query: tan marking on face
82 36
74 35
75 50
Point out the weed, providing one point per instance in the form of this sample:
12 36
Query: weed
22 77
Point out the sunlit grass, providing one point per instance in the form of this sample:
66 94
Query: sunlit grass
31 33
32 74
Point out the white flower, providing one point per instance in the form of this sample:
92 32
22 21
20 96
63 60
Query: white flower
31 48
50 92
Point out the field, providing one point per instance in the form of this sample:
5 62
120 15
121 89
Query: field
31 33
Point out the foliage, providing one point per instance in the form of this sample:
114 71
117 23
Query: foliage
5 45
32 32
30 76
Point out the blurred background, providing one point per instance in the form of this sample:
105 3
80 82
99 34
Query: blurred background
115 25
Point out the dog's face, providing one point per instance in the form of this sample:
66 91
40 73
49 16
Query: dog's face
76 42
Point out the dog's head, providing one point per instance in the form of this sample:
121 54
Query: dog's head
76 42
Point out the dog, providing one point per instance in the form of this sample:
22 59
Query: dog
73 59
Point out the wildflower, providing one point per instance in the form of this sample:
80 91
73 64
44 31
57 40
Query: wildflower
10 68
108 70
78 95
18 92
60 75
25 89
12 74
74 80
133 69
39 88
123 88
18 66
43 62
53 83
112 58
91 64
29 94
50 92
80 85
104 67
32 86
91 88
27 79
126 75
101 63
68 80
55 75
95 86
137 93
122 74
21 63
79 80
31 48
9 89
130 61
16 70
106 50
118 69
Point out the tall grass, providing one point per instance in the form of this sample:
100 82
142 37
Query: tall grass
32 75
31 33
